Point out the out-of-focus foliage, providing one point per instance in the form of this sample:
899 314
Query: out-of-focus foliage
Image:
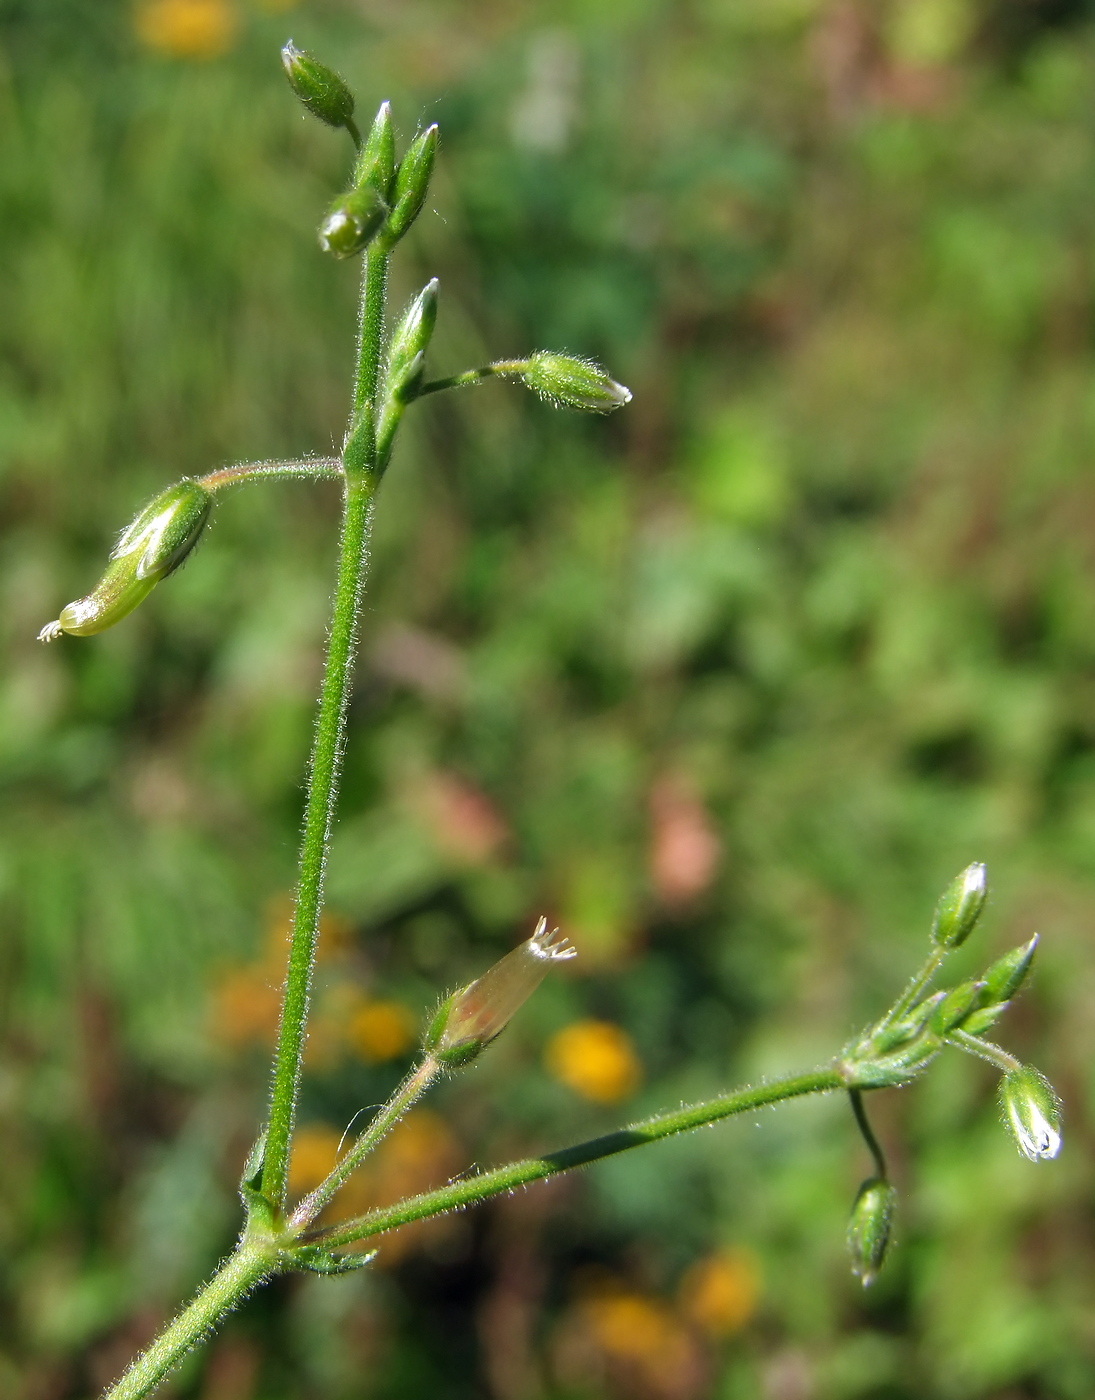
728 685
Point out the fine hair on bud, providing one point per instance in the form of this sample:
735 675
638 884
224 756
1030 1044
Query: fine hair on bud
412 180
869 1228
319 88
957 913
152 546
1031 1112
471 1018
572 383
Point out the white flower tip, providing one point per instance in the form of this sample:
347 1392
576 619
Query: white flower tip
50 632
544 945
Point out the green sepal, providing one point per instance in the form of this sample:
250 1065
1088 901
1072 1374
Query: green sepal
959 909
979 1021
315 1260
889 1037
320 88
412 180
863 1069
569 382
436 1029
955 1006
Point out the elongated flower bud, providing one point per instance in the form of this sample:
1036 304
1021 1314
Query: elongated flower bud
958 911
869 1228
352 221
320 88
1007 974
409 343
412 180
1031 1113
956 1006
153 546
376 163
573 383
470 1019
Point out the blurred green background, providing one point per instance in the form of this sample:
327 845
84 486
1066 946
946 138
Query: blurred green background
729 684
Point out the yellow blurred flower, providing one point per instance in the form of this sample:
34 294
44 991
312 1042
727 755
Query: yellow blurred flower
594 1058
719 1292
381 1030
315 1151
636 1343
186 28
246 1005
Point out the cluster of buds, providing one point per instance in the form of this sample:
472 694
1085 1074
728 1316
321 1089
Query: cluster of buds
467 1021
383 199
150 548
920 1025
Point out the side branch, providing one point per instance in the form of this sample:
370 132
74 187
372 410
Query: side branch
493 1183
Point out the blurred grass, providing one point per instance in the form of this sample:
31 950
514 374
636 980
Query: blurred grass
729 684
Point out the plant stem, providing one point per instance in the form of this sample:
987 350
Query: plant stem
919 983
472 376
240 1272
359 462
864 1125
408 1093
303 469
502 1179
984 1050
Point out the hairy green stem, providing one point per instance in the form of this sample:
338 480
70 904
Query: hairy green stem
502 1179
242 1271
917 986
409 1092
986 1050
499 369
359 461
302 469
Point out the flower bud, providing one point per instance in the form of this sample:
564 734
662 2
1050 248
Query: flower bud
956 1006
470 1019
352 221
869 1228
572 383
1031 1113
153 546
408 345
320 88
376 163
412 180
960 908
1007 974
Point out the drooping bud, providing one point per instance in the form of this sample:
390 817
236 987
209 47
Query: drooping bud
320 88
958 911
153 546
1031 1113
376 163
572 383
470 1019
869 1228
352 221
412 180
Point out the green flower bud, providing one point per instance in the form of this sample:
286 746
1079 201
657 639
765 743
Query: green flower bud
320 88
890 1037
869 1228
1007 974
572 383
352 221
376 163
412 180
958 911
153 546
1031 1113
408 345
470 1019
956 1006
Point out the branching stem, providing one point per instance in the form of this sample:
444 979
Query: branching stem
302 469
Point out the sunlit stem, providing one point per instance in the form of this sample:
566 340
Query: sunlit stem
499 369
408 1093
984 1050
864 1125
916 988
301 469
